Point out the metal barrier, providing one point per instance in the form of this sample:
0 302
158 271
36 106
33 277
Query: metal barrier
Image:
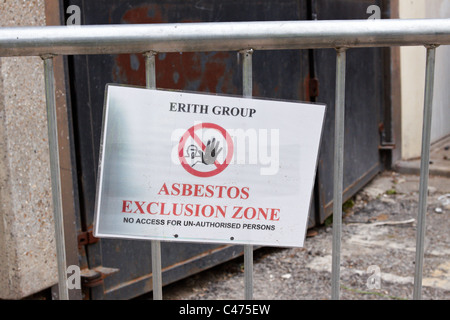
243 37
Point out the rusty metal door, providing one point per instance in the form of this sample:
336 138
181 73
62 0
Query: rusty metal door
305 75
216 72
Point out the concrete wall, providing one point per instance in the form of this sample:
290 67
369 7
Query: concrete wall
27 248
413 80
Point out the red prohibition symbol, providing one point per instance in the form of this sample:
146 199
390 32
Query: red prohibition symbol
216 166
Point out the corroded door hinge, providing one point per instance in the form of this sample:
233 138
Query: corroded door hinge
94 277
384 145
85 238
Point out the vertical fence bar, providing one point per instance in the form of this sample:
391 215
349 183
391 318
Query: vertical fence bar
338 170
247 86
55 176
150 69
150 77
248 271
424 170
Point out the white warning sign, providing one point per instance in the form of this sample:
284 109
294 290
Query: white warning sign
177 166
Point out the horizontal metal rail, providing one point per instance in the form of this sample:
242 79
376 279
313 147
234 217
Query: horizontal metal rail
149 39
223 36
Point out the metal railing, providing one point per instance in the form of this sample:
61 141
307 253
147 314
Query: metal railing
243 37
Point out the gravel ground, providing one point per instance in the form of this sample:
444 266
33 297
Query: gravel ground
377 258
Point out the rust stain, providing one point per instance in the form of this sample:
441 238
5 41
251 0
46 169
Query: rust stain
206 72
305 88
195 71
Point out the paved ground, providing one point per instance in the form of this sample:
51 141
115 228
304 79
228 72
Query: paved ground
378 252
439 160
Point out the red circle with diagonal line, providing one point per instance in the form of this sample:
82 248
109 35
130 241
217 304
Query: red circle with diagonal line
219 167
